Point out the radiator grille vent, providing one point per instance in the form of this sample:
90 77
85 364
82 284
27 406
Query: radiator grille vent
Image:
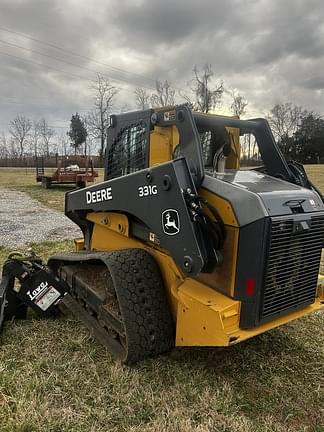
128 152
293 264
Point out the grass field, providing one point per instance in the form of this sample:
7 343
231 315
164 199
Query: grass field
55 378
25 180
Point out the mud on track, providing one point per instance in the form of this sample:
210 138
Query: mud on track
24 220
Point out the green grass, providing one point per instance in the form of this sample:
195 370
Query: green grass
24 180
54 378
45 249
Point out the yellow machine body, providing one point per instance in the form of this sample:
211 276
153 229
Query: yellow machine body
203 307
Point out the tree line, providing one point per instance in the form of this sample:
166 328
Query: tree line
298 132
204 94
89 132
26 136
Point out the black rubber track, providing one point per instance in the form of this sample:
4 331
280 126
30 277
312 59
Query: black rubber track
143 304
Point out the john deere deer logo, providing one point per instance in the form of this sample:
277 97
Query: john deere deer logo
170 222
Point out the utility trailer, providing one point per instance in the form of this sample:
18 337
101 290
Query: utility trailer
78 171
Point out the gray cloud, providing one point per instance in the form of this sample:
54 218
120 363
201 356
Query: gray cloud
270 50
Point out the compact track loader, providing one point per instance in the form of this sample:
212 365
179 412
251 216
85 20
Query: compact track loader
180 247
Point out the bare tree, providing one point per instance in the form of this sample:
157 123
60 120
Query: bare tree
35 135
4 150
19 130
164 95
239 103
86 120
207 94
46 133
13 148
142 98
98 118
284 119
90 145
63 143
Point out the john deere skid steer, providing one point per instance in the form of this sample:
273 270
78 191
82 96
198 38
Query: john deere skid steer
180 247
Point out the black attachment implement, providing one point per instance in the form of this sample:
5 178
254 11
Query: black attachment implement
39 288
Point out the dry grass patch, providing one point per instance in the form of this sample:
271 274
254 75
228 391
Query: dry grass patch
55 377
316 175
25 180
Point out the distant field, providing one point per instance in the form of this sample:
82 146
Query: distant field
55 378
25 180
316 175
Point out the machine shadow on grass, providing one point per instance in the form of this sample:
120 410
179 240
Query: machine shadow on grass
272 374
242 358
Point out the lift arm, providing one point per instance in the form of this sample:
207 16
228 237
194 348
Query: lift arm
165 200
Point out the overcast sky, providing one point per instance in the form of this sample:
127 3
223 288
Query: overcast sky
270 50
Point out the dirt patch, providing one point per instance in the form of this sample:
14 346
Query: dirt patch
24 220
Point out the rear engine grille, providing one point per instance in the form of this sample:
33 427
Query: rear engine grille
293 264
